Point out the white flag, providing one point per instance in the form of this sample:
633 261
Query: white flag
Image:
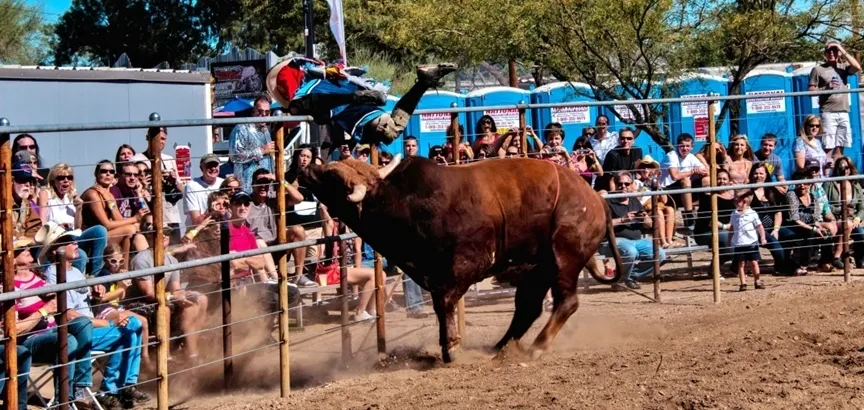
337 26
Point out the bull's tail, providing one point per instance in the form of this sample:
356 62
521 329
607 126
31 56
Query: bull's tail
613 245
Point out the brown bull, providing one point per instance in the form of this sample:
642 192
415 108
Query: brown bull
450 227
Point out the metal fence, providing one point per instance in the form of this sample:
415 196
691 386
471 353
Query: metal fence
163 338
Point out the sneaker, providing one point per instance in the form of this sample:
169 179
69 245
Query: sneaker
306 282
432 74
137 396
742 288
837 263
417 315
391 306
632 284
759 285
363 316
110 401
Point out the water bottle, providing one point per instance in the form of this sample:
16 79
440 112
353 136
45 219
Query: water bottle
835 79
142 204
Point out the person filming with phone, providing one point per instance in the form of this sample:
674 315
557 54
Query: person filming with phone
629 219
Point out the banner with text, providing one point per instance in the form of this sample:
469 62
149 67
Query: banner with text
504 119
774 102
571 115
434 122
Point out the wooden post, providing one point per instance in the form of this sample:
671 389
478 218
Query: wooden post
457 140
343 287
379 281
227 340
655 213
844 225
162 319
282 237
62 334
7 225
715 239
523 126
513 74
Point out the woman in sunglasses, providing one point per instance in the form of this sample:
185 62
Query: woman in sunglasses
61 204
100 208
808 145
107 298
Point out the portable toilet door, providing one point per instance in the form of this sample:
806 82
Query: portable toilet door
430 128
692 117
772 113
807 105
572 119
505 118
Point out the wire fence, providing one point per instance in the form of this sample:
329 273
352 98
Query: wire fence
169 296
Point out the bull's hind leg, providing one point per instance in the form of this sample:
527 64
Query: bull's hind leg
529 304
566 301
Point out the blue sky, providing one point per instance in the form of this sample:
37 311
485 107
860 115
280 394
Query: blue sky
52 8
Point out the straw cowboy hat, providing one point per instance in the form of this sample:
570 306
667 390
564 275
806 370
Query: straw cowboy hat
48 235
647 162
19 242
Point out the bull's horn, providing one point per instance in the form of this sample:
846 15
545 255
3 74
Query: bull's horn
358 194
383 172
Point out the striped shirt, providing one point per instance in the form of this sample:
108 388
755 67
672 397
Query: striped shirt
30 305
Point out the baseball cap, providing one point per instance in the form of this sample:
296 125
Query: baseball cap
209 159
240 196
22 171
811 164
25 156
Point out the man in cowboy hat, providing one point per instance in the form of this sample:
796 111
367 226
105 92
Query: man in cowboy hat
121 371
338 96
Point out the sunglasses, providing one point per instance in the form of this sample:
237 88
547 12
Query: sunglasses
244 204
27 147
115 261
625 138
105 171
625 184
814 125
65 178
132 174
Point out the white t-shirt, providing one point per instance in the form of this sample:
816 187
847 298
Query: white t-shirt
602 147
195 196
61 211
746 225
673 160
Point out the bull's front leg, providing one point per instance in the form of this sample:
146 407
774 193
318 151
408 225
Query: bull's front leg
448 333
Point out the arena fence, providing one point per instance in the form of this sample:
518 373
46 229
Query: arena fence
163 338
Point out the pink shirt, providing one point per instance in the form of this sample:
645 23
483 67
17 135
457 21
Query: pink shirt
242 238
30 305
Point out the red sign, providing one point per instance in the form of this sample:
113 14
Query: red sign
183 157
700 128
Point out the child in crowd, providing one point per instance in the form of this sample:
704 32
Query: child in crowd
747 235
108 298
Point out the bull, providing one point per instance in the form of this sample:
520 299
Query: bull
532 222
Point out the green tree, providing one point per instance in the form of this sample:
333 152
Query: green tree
148 31
22 33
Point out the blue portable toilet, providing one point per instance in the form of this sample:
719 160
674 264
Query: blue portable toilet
431 128
773 114
504 118
807 105
692 118
572 119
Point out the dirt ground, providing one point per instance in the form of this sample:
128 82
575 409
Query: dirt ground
793 345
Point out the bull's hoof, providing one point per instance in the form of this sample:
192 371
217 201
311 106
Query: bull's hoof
449 355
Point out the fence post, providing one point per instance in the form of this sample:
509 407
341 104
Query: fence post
62 334
379 281
162 320
343 287
6 223
227 339
523 126
844 226
457 141
655 242
282 237
712 165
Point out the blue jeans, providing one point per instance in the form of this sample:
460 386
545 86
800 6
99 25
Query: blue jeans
782 263
413 295
24 360
122 368
44 346
632 250
92 242
857 236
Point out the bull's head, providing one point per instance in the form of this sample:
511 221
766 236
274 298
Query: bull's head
343 185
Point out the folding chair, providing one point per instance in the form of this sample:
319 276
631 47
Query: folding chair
48 377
